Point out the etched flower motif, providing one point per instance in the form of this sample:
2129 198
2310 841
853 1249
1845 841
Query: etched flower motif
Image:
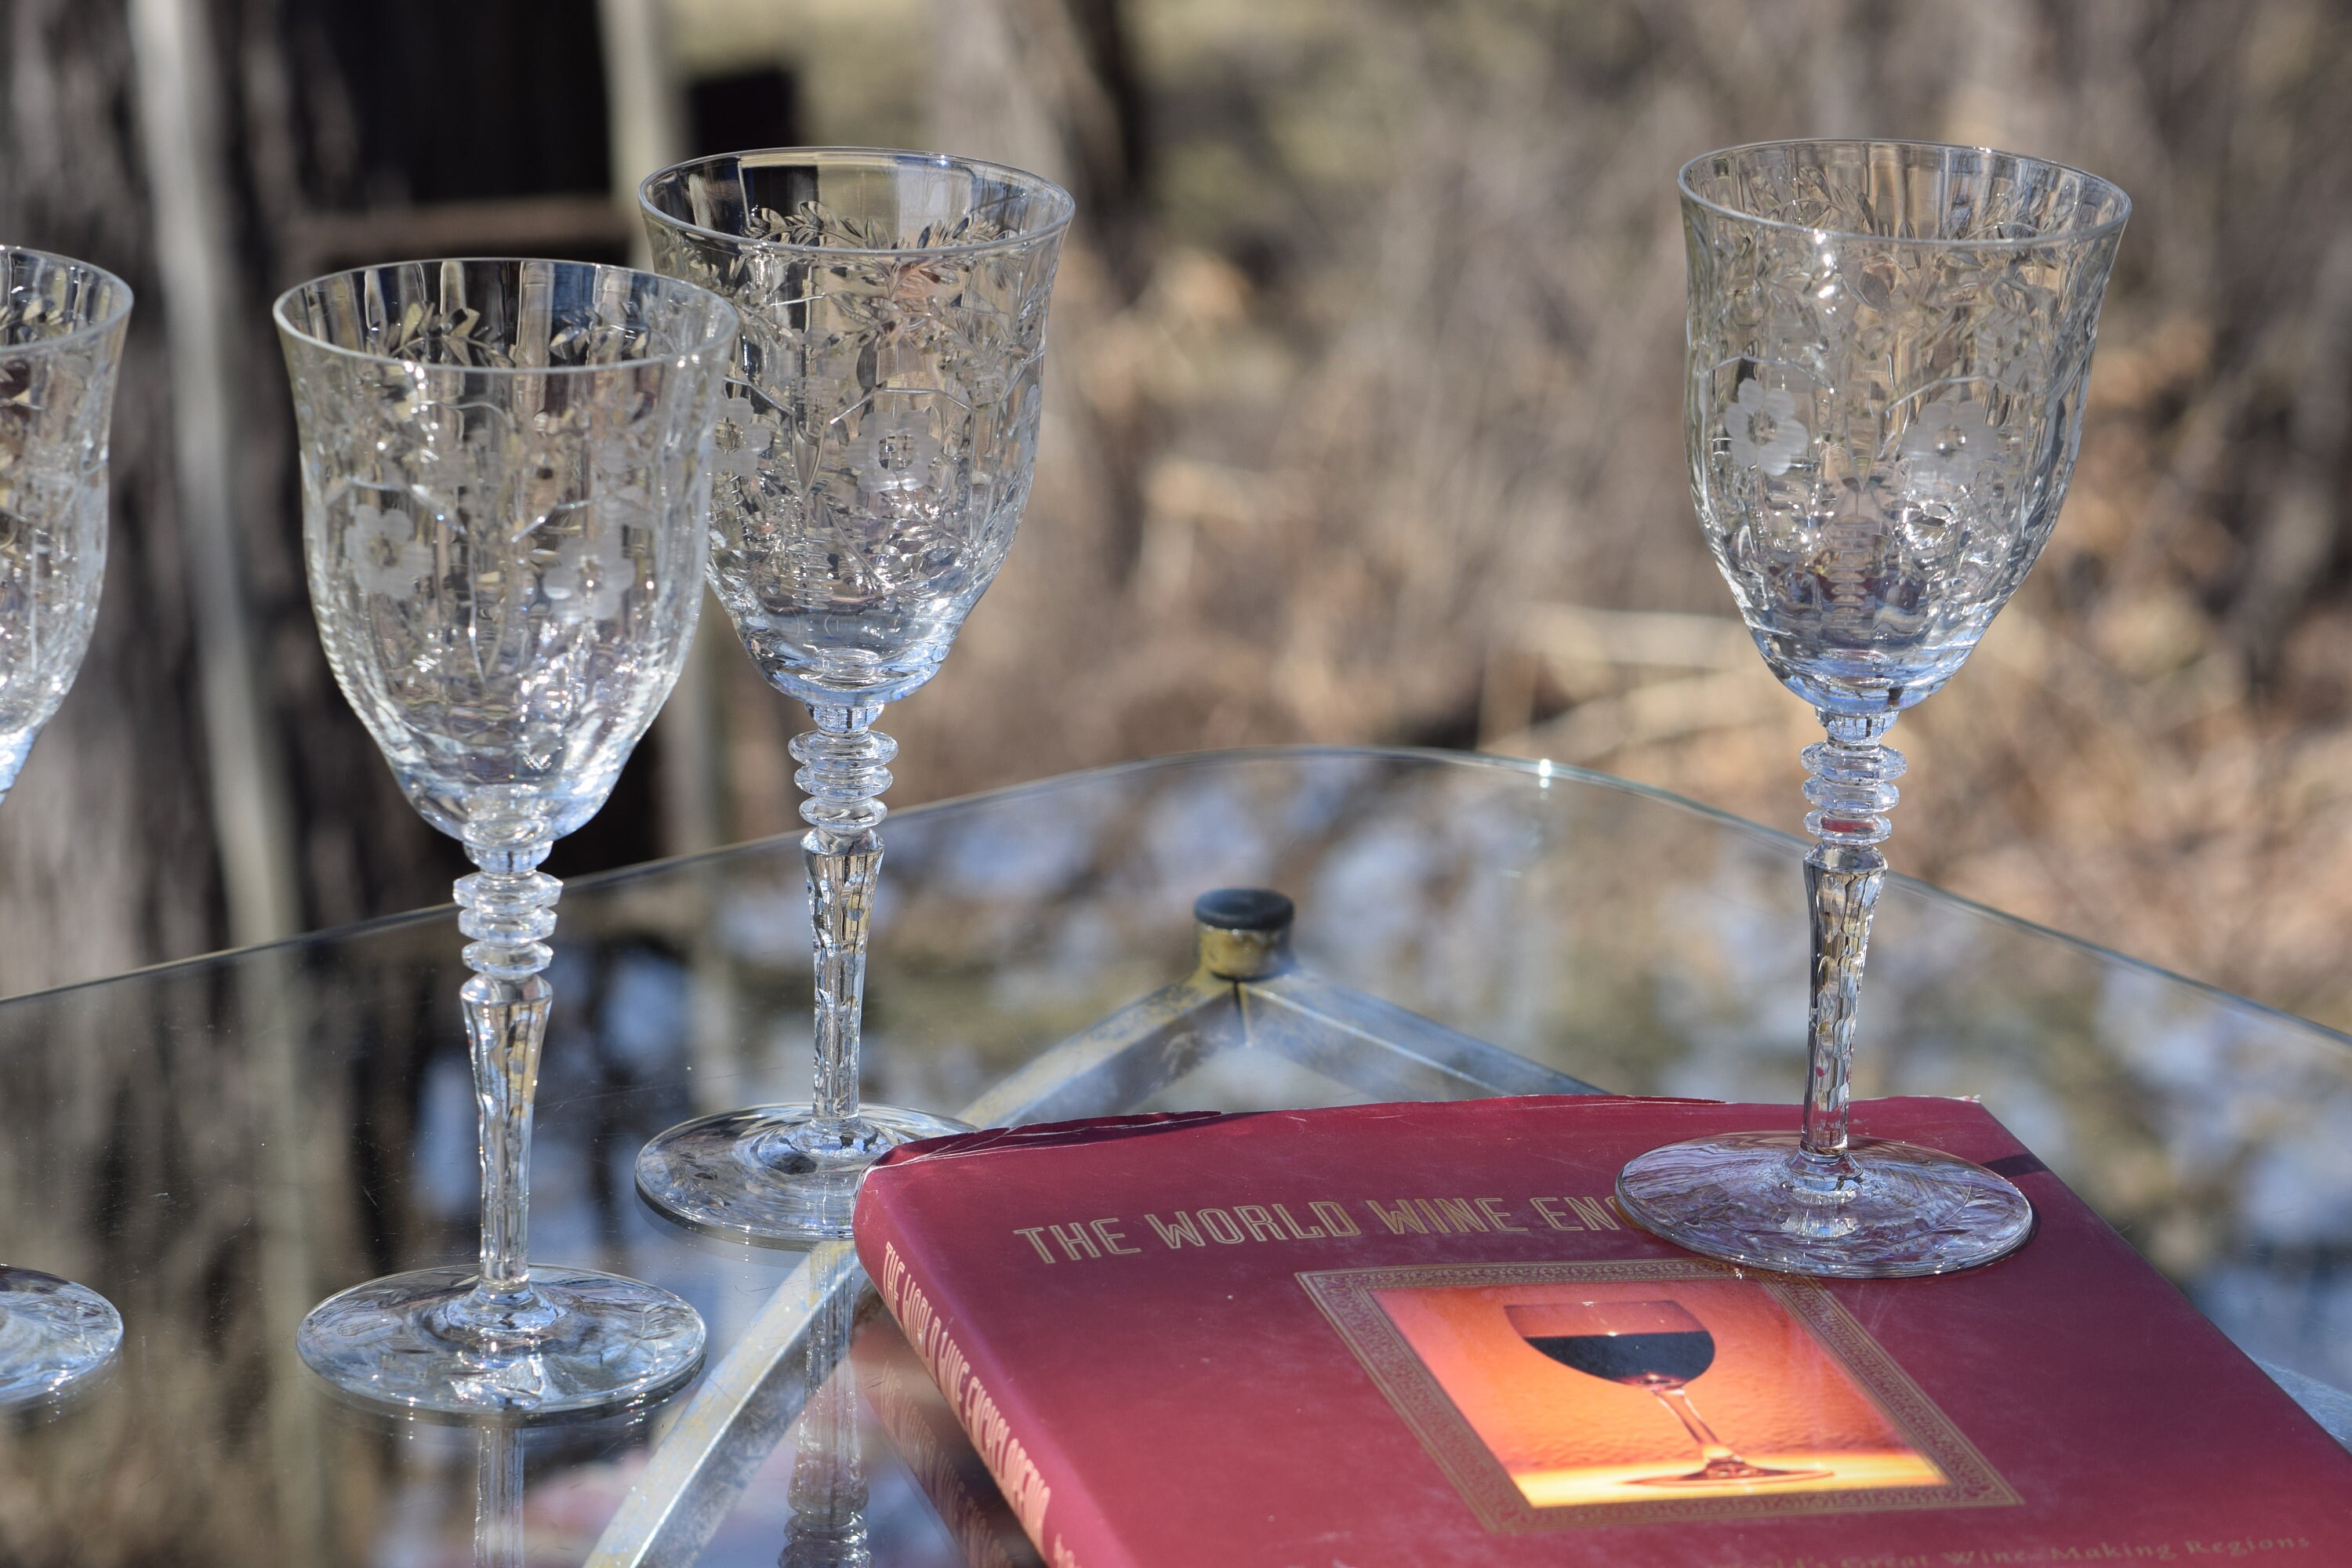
436 335
1764 428
589 577
1947 440
895 452
384 553
896 443
824 395
743 438
544 455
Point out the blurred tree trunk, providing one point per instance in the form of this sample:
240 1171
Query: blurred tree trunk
1366 339
106 856
109 857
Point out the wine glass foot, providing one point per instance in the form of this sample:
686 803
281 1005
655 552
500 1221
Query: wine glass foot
54 1334
1888 1211
774 1175
587 1342
1731 1472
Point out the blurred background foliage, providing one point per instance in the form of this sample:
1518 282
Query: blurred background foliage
1364 422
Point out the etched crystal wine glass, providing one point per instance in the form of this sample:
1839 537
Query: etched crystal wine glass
62 328
1888 348
505 473
874 449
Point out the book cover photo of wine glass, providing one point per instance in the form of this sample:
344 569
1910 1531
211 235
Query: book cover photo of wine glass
1640 1392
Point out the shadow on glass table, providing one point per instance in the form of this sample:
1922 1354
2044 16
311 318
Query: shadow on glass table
217 1144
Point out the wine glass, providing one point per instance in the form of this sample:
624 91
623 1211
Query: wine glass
1888 348
1655 1345
505 472
62 328
874 452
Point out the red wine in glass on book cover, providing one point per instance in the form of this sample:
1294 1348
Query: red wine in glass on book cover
1653 1345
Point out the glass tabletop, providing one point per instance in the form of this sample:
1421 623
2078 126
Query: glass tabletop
217 1144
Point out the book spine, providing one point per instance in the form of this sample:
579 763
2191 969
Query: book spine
984 1395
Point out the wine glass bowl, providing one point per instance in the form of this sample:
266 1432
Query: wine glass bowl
1888 349
499 481
505 478
61 330
1642 1344
876 443
874 450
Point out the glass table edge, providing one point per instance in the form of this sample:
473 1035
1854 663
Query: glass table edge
1541 769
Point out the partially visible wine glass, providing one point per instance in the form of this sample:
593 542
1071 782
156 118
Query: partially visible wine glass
876 446
505 490
61 328
1888 348
1653 1345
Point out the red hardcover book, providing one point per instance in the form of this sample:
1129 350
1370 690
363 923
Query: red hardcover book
1422 1334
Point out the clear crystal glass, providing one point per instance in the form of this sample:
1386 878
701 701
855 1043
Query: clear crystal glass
874 452
506 467
1888 348
61 326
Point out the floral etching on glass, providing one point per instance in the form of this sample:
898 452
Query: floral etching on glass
488 538
876 443
54 418
1878 426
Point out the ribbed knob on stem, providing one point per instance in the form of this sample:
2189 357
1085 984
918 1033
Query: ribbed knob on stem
1853 783
844 767
510 915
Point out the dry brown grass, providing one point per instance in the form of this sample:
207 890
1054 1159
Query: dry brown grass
1394 353
1370 339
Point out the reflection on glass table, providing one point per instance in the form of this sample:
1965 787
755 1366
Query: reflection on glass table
216 1145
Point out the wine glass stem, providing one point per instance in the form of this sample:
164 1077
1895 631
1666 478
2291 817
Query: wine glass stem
1852 789
508 909
844 771
1711 1447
